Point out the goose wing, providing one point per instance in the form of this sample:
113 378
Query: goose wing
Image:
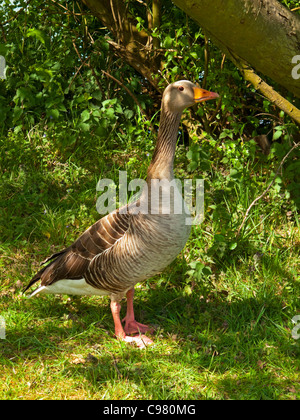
72 263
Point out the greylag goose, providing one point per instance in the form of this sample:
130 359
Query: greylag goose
135 241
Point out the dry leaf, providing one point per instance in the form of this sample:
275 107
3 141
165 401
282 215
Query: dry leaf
77 359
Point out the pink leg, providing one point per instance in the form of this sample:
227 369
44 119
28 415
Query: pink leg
141 340
131 325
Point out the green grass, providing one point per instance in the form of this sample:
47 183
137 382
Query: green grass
222 311
235 344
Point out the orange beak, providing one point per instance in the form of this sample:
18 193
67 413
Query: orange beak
201 95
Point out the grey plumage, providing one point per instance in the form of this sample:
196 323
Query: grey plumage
126 247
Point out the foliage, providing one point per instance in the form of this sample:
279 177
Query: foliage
65 124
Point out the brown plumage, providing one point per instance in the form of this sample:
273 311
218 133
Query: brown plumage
74 262
134 242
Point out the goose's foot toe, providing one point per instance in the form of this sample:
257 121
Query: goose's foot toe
134 327
141 341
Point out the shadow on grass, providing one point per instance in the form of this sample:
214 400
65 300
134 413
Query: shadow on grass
204 348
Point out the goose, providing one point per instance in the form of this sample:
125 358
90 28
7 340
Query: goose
135 241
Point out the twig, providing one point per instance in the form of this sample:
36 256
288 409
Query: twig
206 61
267 189
77 71
269 115
219 103
223 61
70 12
96 78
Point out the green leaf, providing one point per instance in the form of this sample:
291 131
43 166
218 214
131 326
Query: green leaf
17 112
206 271
108 102
61 107
96 113
235 174
188 290
192 166
18 128
189 154
118 109
3 49
20 93
85 115
84 126
54 113
110 113
277 135
219 238
174 70
101 131
168 42
179 32
193 264
128 113
36 33
226 133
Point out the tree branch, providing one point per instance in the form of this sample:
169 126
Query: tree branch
266 89
129 42
267 189
264 33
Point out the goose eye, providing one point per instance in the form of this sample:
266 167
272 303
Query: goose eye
181 88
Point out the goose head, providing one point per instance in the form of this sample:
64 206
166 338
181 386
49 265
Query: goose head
182 94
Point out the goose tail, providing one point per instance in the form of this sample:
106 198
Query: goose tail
38 275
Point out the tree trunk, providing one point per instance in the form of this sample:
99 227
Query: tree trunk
263 33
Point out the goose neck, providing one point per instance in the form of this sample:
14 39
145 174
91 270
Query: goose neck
163 157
